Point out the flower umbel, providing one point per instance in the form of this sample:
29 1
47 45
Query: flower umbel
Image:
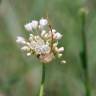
42 41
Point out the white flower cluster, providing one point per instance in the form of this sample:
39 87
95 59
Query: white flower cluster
42 41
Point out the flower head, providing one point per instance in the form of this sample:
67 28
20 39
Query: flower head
42 42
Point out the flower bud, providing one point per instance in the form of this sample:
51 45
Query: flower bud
46 35
53 30
61 49
59 55
55 44
25 48
28 54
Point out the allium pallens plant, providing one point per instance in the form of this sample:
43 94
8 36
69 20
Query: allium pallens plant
42 41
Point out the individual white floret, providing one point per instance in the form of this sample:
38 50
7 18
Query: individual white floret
43 22
63 61
31 37
28 26
57 36
25 48
20 40
61 49
60 55
43 33
28 54
34 24
27 43
53 31
46 36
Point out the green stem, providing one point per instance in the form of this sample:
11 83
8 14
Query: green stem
43 80
84 54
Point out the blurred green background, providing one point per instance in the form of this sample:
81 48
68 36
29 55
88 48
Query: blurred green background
20 75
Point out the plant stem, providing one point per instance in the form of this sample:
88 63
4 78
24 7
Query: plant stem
84 54
42 81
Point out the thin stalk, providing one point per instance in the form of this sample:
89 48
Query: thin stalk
84 54
51 37
42 81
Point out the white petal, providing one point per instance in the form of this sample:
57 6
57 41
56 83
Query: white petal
53 30
63 61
